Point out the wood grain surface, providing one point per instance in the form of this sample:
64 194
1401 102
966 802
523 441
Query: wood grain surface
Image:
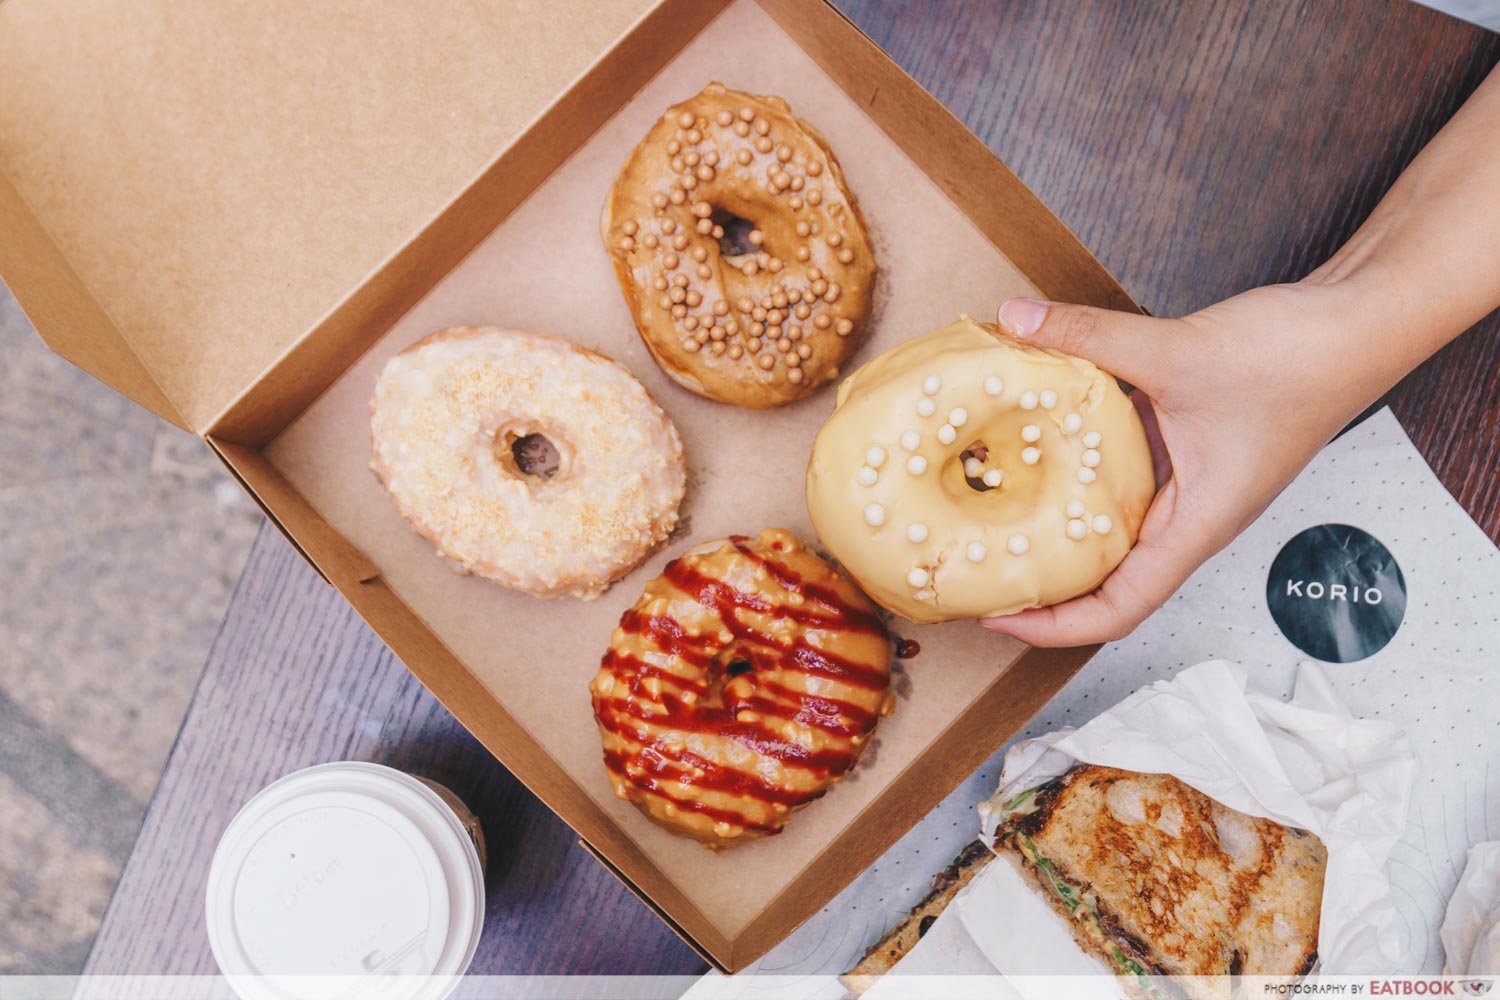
1199 148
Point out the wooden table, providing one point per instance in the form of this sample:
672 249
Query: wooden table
1199 148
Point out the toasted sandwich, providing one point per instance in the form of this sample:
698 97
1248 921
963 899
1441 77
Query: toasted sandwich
1153 878
1158 880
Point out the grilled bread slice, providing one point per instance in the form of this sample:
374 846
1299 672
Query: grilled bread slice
904 936
1156 878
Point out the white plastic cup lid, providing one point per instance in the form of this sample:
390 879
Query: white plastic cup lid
345 879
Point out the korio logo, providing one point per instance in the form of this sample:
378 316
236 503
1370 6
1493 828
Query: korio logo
1336 593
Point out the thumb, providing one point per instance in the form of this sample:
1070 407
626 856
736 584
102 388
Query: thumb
1127 345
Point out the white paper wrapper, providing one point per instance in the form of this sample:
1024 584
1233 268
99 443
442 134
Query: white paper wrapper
1471 927
1304 763
1435 680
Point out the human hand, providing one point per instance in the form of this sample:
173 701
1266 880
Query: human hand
1235 399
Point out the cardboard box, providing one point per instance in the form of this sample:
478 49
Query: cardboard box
235 217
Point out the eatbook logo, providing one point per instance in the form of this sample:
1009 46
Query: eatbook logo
1336 593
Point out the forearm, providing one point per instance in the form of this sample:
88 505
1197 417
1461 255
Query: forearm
1426 265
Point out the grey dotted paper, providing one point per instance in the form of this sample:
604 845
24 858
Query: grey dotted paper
1431 679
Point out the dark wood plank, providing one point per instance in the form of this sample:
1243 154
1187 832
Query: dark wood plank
1199 148
295 678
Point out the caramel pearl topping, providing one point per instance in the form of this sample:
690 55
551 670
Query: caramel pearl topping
754 161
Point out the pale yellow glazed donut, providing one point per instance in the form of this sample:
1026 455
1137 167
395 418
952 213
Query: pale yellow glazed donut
455 422
965 474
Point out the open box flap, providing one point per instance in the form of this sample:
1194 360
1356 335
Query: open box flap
192 187
69 319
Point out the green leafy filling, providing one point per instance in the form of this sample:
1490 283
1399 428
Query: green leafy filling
1067 893
1019 805
1072 899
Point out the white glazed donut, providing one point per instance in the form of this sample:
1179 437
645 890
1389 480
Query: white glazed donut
965 474
527 460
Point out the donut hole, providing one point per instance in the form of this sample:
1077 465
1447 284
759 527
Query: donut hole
980 451
736 241
731 684
533 455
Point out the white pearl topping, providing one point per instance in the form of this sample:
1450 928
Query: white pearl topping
1031 432
1027 400
973 467
918 577
866 476
1077 530
1092 439
1091 459
1102 524
1075 508
931 384
874 515
916 532
1031 456
975 552
1018 545
926 407
1087 475
992 478
993 385
1072 423
911 440
958 416
916 465
875 456
946 434
1048 399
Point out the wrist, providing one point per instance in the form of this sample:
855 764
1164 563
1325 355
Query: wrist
1370 327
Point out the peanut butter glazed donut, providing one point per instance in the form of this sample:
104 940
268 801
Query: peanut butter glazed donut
745 681
741 253
526 460
965 474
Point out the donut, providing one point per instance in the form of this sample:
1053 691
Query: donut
742 255
743 683
965 474
525 459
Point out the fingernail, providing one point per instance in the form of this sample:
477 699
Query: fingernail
1022 317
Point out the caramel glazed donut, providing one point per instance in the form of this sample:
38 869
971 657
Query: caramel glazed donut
745 681
743 257
525 459
965 474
